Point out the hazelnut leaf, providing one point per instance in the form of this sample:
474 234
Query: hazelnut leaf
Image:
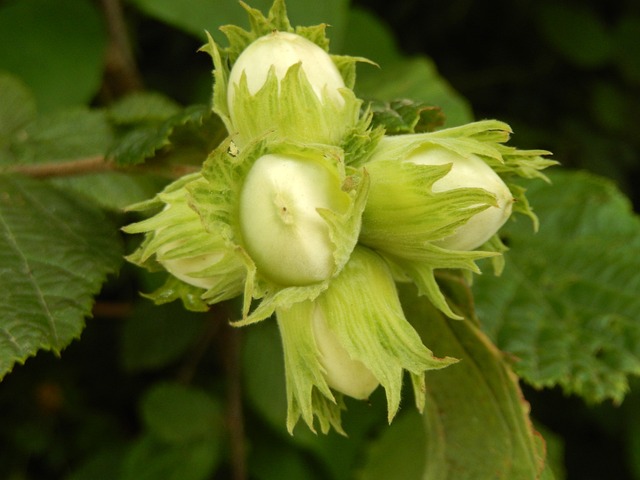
55 254
566 306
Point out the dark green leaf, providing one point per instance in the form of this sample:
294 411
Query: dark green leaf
142 107
191 134
65 135
476 421
398 76
332 12
612 107
274 459
156 336
196 16
418 79
151 459
567 305
54 255
80 135
57 48
367 36
176 414
576 32
112 190
406 116
102 465
399 451
626 37
83 135
140 144
17 107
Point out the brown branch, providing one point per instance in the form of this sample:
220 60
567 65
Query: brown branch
235 414
112 309
97 164
121 72
63 169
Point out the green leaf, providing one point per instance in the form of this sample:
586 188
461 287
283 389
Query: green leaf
399 451
183 437
567 306
367 36
17 107
398 76
112 190
625 38
140 144
476 421
406 116
54 254
185 137
64 135
611 107
196 16
82 134
272 459
176 414
142 107
152 459
576 32
332 12
156 336
103 464
57 48
416 78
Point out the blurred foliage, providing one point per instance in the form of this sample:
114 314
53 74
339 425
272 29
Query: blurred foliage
146 393
34 33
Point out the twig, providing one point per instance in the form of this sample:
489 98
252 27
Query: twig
112 309
235 414
98 164
121 72
61 169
